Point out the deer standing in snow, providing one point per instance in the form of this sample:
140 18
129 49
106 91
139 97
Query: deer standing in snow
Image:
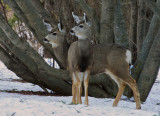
85 59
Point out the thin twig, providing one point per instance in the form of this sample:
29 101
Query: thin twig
4 10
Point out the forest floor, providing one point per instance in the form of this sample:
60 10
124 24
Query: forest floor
19 98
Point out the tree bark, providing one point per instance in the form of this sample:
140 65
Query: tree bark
120 30
153 6
140 25
133 29
107 22
14 64
92 16
43 13
150 70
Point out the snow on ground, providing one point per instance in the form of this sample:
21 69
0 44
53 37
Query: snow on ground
13 104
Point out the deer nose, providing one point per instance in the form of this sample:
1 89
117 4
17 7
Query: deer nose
45 40
71 32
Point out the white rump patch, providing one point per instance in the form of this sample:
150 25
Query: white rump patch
128 56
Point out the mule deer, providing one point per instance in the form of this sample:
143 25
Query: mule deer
57 39
85 59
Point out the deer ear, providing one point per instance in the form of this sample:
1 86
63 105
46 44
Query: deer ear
86 20
60 28
76 18
48 25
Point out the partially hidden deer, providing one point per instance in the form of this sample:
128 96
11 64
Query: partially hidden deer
56 38
85 59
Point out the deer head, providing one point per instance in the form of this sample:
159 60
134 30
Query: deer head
83 28
55 36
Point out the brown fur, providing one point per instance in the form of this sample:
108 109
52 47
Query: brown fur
79 56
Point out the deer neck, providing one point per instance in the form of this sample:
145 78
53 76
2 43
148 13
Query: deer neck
61 52
84 47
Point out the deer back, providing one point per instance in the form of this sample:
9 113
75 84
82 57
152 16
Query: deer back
108 56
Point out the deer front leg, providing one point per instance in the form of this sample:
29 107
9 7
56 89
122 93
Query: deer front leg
74 81
86 80
79 77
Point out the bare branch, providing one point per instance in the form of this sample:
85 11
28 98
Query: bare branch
4 10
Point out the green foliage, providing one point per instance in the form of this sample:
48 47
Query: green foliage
42 1
12 20
7 7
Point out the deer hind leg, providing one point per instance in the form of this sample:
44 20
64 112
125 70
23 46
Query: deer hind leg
132 83
79 77
74 82
86 80
122 86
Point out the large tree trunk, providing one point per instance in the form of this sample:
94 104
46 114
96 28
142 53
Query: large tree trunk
120 30
146 46
152 32
150 70
107 22
144 17
140 25
16 66
133 29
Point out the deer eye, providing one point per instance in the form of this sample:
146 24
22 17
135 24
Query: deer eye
54 34
81 26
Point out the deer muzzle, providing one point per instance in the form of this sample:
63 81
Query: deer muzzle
72 32
45 40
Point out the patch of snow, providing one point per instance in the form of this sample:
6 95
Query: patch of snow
5 73
18 86
158 76
12 104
